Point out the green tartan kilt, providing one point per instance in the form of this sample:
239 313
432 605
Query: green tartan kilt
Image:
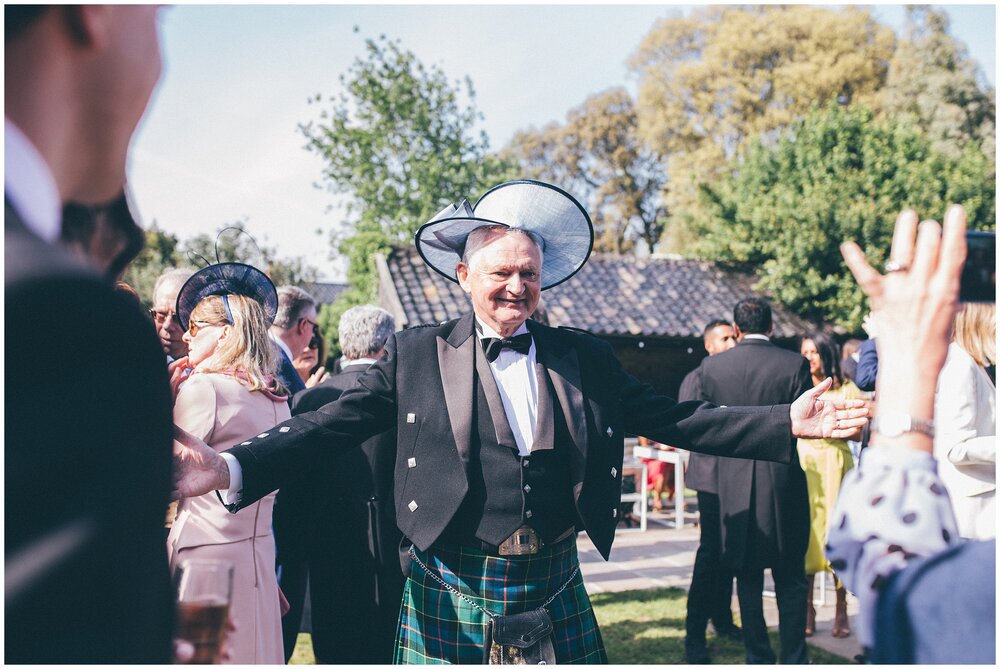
438 627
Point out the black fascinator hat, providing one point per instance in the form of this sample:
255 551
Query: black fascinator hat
227 278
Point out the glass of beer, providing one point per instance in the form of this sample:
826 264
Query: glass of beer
204 590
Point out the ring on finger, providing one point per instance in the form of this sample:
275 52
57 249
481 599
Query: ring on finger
895 266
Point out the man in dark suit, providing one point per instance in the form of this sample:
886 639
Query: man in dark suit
764 505
343 533
88 418
294 329
509 438
711 591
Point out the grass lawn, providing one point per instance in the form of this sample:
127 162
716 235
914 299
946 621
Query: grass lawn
642 627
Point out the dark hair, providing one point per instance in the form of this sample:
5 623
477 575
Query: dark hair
752 316
714 324
17 18
829 355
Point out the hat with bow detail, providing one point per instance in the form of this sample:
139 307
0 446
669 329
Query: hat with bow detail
550 213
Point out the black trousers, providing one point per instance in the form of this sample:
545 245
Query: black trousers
349 623
791 589
711 592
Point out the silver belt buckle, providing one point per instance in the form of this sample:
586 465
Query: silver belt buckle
524 541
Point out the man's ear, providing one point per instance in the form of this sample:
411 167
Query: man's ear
737 333
462 272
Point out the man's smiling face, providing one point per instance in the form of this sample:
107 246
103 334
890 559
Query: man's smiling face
504 279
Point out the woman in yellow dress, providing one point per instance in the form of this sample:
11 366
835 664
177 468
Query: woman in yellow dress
825 461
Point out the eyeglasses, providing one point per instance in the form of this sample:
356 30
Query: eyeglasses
315 341
195 326
160 316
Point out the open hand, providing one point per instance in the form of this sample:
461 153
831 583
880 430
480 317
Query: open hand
198 469
815 418
914 305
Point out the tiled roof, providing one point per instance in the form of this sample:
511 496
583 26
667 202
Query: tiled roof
325 293
611 295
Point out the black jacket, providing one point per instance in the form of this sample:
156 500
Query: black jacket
424 387
87 465
765 503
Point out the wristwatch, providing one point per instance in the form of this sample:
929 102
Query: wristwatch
896 423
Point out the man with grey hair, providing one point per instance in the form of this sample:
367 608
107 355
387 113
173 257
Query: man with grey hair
294 329
164 312
337 524
508 440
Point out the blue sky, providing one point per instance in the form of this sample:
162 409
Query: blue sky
220 140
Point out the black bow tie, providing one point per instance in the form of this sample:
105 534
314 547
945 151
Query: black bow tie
492 346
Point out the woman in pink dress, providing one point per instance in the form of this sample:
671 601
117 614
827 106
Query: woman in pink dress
229 394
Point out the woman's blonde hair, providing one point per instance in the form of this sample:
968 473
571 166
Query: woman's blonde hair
249 349
976 331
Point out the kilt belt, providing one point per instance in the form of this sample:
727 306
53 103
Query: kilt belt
524 541
436 626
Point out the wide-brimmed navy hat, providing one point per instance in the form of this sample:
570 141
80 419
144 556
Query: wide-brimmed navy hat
551 213
227 278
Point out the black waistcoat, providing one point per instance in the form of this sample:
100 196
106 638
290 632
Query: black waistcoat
506 490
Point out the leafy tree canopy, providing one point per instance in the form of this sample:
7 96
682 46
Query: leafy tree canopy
598 156
839 174
933 79
400 142
163 251
723 76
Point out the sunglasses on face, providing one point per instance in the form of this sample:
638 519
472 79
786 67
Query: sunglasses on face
195 326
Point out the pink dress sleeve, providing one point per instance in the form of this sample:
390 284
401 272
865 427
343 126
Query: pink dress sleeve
194 409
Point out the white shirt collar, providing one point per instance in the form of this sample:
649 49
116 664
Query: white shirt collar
762 337
359 361
281 344
29 184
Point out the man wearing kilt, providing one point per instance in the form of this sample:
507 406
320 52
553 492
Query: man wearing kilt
509 440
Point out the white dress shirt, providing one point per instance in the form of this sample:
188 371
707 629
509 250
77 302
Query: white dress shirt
29 184
518 385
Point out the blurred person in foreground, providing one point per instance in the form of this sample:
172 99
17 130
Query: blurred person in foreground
711 593
509 440
86 577
230 395
965 418
346 524
926 596
825 462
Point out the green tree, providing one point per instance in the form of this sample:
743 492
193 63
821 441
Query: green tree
159 255
933 79
598 156
231 243
839 174
711 82
400 142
